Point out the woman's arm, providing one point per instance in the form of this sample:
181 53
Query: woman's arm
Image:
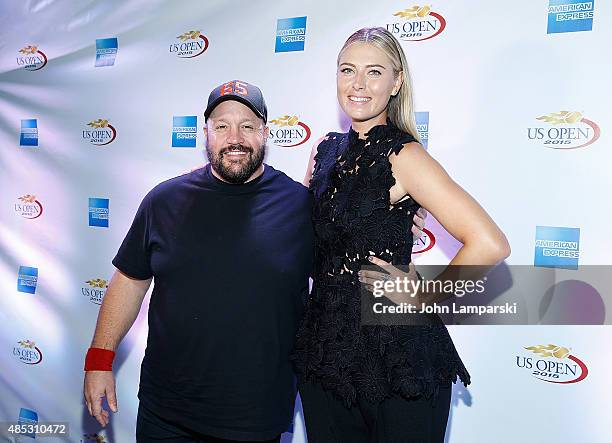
484 244
424 179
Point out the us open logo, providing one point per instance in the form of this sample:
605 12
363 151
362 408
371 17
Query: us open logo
101 132
552 364
288 131
417 23
31 58
95 290
29 207
27 352
190 44
564 130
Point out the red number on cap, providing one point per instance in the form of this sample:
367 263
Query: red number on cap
227 88
234 87
241 89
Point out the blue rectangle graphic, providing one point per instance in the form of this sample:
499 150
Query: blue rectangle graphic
106 51
290 34
422 123
28 417
99 212
29 132
570 16
27 279
557 247
184 131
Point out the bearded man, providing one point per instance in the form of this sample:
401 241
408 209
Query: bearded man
229 246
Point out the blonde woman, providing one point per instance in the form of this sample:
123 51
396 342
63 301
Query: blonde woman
378 383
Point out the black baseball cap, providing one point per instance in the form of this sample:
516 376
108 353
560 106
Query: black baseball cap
243 92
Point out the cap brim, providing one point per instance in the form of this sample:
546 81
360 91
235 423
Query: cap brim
223 98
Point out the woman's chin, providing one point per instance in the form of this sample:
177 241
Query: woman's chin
359 115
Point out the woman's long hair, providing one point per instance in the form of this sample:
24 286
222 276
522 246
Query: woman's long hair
400 108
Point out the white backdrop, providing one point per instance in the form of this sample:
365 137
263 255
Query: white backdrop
484 80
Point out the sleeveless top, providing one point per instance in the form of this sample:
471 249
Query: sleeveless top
353 218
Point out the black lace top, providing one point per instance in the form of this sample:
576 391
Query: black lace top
353 218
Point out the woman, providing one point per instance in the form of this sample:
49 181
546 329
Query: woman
379 383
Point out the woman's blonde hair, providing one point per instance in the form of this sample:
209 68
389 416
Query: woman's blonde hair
400 108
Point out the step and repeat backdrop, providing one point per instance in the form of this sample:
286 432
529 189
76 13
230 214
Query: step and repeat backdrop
102 100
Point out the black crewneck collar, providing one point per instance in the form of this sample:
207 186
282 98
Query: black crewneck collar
231 188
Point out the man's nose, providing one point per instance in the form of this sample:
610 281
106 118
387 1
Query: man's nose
235 135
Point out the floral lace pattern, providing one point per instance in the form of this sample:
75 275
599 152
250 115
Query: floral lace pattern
353 218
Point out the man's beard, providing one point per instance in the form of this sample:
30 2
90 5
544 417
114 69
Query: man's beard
233 175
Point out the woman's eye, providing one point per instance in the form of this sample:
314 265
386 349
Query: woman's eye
375 72
346 70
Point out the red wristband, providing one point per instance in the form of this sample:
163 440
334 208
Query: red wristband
98 359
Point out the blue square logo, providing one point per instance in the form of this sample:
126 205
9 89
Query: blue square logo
557 247
290 34
106 51
184 131
28 417
29 133
98 212
422 123
570 16
27 279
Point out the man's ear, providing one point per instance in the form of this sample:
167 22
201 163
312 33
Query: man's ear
266 132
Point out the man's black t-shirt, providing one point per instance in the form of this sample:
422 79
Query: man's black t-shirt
230 266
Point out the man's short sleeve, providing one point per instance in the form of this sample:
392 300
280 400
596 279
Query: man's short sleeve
134 255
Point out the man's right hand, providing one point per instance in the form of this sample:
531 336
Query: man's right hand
118 312
99 384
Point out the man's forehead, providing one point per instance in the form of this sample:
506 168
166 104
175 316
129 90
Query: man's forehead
229 108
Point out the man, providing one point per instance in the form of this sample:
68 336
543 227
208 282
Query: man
230 248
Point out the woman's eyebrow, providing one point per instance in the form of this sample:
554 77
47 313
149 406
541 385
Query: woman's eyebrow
367 66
